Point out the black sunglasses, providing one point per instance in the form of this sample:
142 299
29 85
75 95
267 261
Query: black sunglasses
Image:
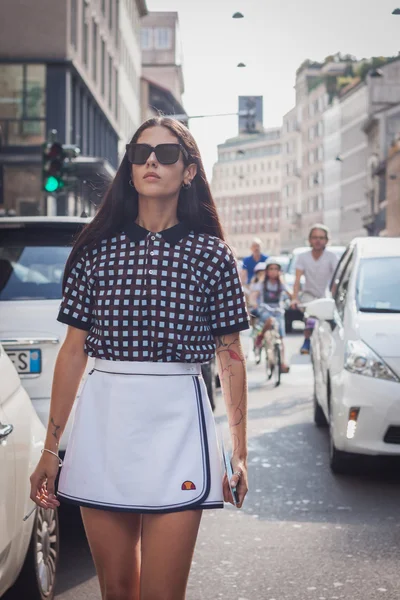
167 154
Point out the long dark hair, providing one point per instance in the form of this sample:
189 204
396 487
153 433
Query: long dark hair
196 207
267 278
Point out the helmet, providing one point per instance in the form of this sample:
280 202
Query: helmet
272 260
259 267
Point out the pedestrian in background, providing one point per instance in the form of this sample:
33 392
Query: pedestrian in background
249 262
150 291
317 266
248 265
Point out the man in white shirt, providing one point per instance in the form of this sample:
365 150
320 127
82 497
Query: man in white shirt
317 266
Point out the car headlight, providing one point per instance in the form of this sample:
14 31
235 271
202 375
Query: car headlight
361 359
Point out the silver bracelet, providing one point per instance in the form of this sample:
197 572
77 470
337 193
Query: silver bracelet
60 462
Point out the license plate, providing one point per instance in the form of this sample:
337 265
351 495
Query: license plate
27 362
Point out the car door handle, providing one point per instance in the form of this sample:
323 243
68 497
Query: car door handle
5 431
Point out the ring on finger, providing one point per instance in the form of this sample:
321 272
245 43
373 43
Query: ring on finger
238 473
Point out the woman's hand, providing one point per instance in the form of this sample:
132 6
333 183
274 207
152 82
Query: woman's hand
43 480
240 482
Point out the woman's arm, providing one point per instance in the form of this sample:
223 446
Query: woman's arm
70 366
233 377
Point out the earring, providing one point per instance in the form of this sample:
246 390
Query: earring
131 183
187 186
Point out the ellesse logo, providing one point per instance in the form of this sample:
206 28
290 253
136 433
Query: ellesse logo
188 485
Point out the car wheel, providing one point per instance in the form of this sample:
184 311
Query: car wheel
319 416
38 573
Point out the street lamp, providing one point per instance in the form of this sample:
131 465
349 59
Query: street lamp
396 11
240 65
339 158
238 15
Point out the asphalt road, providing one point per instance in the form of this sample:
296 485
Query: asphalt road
303 534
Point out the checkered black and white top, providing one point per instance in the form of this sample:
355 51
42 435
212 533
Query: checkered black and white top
159 297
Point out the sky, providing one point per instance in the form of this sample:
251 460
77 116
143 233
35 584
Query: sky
273 39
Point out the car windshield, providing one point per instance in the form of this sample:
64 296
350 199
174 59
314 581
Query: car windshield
378 288
292 265
32 264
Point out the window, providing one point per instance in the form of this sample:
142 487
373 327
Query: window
103 67
343 262
94 50
116 83
378 284
110 14
23 94
85 36
341 294
146 38
117 23
110 81
34 270
162 38
73 23
34 96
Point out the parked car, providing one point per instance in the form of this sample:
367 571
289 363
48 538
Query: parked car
295 314
28 549
33 253
356 353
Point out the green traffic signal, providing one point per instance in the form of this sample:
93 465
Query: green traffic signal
52 184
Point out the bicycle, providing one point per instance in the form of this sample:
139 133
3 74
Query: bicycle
272 345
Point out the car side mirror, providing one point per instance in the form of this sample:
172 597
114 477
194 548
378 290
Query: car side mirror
322 309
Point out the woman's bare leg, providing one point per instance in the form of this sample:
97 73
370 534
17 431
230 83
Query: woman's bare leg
114 540
168 542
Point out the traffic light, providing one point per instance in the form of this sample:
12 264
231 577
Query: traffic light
53 157
57 165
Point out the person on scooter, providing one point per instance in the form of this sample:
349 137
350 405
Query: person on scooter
268 300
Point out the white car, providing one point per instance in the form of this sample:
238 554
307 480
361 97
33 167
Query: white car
33 252
28 549
356 353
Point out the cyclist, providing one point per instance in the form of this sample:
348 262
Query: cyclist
267 299
317 265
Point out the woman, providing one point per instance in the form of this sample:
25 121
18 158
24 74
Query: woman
268 302
150 290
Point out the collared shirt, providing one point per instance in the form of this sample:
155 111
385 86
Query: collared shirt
155 297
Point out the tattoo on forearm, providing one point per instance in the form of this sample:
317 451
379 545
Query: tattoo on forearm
56 428
227 374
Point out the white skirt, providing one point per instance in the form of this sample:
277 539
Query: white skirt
143 440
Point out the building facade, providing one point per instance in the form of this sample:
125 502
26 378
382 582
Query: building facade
332 170
246 185
291 196
382 129
73 67
162 83
353 155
